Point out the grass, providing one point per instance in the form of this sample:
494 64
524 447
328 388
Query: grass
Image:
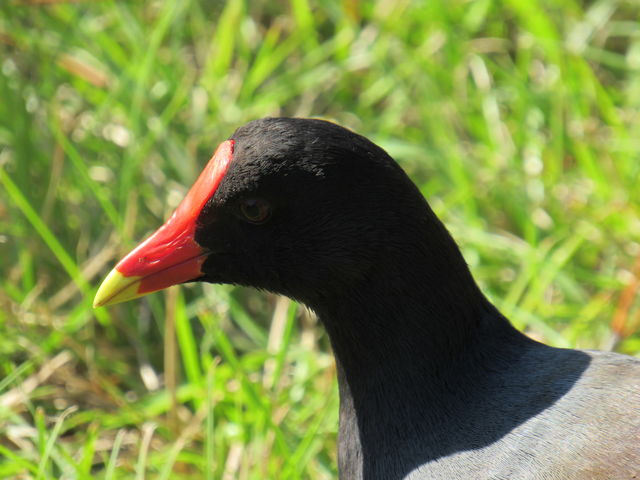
516 119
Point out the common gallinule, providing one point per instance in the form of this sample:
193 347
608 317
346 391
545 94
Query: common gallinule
434 382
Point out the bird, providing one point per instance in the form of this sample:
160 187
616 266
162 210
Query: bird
434 382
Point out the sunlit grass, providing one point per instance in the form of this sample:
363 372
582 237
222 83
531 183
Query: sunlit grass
518 120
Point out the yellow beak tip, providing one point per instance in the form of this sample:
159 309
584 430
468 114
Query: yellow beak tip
117 288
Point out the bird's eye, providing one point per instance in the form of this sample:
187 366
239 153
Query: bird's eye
255 210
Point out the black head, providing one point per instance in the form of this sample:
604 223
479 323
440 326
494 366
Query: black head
301 207
306 208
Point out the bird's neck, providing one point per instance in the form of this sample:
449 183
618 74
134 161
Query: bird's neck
418 308
407 342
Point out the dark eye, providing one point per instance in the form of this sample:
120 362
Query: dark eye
255 210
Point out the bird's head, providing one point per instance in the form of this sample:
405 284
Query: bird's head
300 207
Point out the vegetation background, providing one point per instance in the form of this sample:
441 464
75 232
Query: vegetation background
517 119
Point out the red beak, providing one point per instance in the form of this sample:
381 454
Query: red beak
171 255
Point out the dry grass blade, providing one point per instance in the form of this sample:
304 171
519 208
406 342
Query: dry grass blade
20 394
621 324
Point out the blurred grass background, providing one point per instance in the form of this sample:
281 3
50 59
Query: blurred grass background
518 120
